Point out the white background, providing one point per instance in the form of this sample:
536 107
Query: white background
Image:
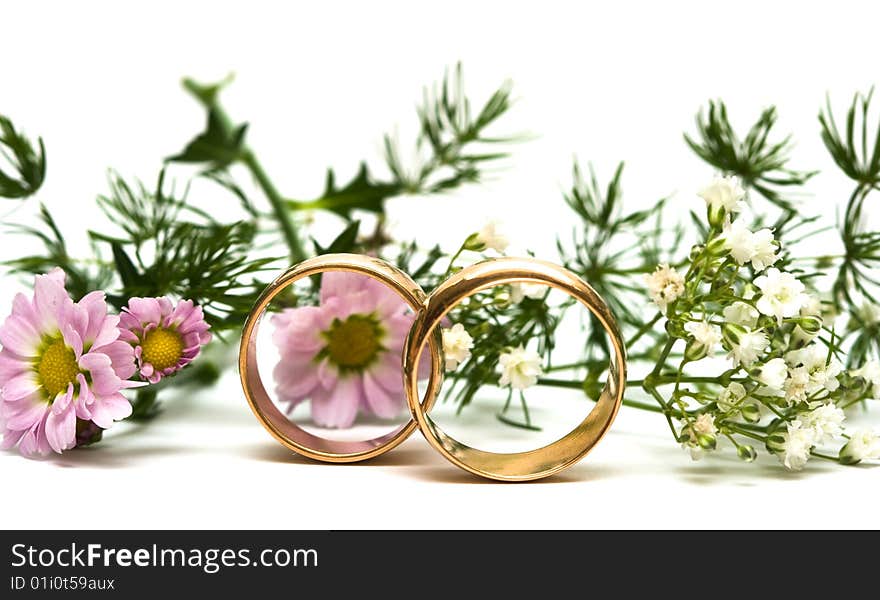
320 84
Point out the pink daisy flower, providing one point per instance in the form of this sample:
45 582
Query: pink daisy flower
61 361
345 354
165 337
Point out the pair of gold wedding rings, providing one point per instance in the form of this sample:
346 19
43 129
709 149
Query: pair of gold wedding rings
430 309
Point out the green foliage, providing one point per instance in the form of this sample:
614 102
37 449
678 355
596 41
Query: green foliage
448 129
423 270
160 252
344 242
447 153
859 158
218 146
83 276
605 248
27 160
854 151
760 163
361 193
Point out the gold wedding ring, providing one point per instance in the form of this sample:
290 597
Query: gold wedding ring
284 430
532 464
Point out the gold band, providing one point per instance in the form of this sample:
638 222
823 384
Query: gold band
532 464
281 428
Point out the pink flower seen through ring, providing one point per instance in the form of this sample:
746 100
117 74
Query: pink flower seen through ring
345 354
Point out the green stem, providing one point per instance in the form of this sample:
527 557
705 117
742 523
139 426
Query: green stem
276 200
643 330
452 261
824 456
297 253
575 385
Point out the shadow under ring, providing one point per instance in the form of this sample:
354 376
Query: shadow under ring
276 423
549 459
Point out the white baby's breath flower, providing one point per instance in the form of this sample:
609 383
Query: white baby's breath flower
821 370
796 445
782 295
520 291
705 334
870 372
765 248
493 237
796 385
723 194
520 368
731 396
665 285
699 436
738 241
457 344
759 247
863 444
748 348
741 313
705 425
772 373
825 420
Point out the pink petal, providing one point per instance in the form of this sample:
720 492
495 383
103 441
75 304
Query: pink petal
105 382
51 301
298 329
382 402
62 401
107 333
19 336
397 327
24 414
19 387
33 442
61 430
121 357
76 317
12 365
93 361
385 300
145 310
175 315
10 438
327 374
108 409
95 308
57 275
72 340
85 400
388 372
337 407
358 303
341 284
295 378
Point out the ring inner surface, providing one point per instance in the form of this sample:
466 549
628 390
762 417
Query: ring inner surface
280 425
553 457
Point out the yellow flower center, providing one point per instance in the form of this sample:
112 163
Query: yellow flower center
57 368
354 343
162 348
